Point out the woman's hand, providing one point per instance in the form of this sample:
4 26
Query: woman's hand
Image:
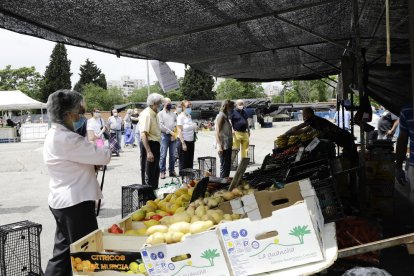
184 146
220 151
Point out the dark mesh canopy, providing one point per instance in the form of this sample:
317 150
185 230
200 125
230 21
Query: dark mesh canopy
255 40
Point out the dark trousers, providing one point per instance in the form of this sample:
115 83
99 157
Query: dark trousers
225 163
72 223
186 157
150 171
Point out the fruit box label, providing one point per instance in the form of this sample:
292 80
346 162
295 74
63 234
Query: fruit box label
97 261
199 254
285 239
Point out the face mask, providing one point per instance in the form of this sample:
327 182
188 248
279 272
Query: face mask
115 114
79 123
188 110
96 114
168 107
240 107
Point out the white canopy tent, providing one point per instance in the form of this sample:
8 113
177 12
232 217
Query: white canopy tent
17 100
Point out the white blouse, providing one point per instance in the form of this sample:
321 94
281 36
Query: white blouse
70 160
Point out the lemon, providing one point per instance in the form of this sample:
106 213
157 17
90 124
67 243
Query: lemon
142 268
134 266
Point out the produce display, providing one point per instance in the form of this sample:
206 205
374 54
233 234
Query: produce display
199 216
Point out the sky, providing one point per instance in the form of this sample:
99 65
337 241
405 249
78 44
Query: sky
20 50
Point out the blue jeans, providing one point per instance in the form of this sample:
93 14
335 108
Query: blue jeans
166 144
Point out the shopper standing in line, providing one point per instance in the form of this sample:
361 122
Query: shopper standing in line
405 137
115 127
135 127
129 135
224 137
71 160
95 128
240 123
186 134
168 123
150 141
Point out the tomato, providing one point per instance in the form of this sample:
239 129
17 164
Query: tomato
156 217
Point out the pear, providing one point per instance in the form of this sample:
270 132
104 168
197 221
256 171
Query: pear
200 211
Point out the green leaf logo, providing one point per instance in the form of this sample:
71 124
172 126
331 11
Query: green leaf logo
299 232
210 254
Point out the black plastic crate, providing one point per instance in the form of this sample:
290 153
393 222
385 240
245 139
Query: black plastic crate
20 249
134 197
207 164
189 174
234 159
329 200
250 154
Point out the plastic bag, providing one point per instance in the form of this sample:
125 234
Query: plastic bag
366 271
168 188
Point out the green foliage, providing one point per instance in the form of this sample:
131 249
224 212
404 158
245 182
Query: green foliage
210 254
141 94
25 79
97 97
197 85
57 74
90 73
233 89
174 95
299 232
305 91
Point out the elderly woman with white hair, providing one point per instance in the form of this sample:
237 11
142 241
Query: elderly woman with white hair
71 160
150 141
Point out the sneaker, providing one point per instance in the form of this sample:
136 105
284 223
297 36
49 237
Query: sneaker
162 175
173 174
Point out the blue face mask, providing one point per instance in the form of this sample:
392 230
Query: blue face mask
188 111
79 123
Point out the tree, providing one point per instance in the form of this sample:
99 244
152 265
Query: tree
197 85
305 91
25 79
141 94
90 73
233 89
174 95
57 74
102 99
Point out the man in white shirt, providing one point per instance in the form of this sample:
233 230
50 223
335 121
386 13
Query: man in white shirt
344 122
115 128
70 159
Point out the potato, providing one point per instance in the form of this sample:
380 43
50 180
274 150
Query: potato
183 227
156 228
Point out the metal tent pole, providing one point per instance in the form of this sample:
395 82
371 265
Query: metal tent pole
148 78
360 72
411 16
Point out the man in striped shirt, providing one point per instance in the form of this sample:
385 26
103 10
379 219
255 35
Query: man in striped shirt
406 132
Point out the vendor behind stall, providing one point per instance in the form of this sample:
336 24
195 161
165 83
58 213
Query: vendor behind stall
327 131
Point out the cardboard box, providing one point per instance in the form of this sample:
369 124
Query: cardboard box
289 233
94 250
205 257
125 242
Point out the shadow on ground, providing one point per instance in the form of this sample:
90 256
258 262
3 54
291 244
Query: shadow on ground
109 213
17 210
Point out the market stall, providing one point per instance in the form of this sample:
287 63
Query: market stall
17 100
